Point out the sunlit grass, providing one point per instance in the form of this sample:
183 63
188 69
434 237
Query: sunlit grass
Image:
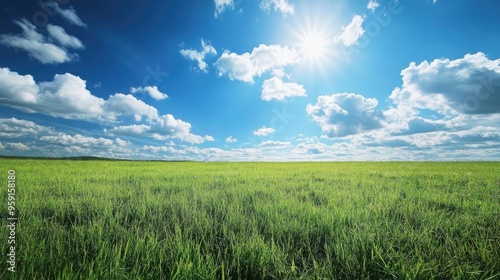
153 220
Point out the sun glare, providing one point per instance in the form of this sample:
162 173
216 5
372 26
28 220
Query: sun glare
314 42
313 46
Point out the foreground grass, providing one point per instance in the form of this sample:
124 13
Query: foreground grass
147 220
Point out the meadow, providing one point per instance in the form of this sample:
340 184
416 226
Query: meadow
193 220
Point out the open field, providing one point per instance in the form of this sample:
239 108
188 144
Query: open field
159 220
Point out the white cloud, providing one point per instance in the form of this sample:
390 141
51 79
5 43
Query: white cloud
281 6
59 34
345 114
199 56
17 146
168 127
126 104
275 88
469 85
222 5
421 125
14 128
157 149
263 58
270 57
67 97
352 32
479 134
122 143
264 131
311 148
130 130
162 128
237 67
35 45
17 89
151 90
195 153
69 14
274 144
475 143
446 140
230 139
63 145
372 5
77 140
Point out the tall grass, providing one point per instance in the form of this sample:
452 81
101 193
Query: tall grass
153 220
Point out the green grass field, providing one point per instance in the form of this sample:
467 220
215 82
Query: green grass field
188 220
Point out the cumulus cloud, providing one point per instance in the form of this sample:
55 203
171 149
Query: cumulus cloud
42 140
469 85
17 89
421 125
263 58
66 94
352 32
129 130
14 128
77 140
67 97
264 131
167 127
345 114
479 134
237 67
162 128
274 144
122 143
372 5
427 121
68 14
311 148
36 45
17 146
59 34
222 5
199 56
230 139
157 149
151 90
275 88
195 153
63 144
125 104
281 6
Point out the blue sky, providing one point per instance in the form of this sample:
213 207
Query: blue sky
264 80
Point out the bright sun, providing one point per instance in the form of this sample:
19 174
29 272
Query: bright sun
311 36
313 46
